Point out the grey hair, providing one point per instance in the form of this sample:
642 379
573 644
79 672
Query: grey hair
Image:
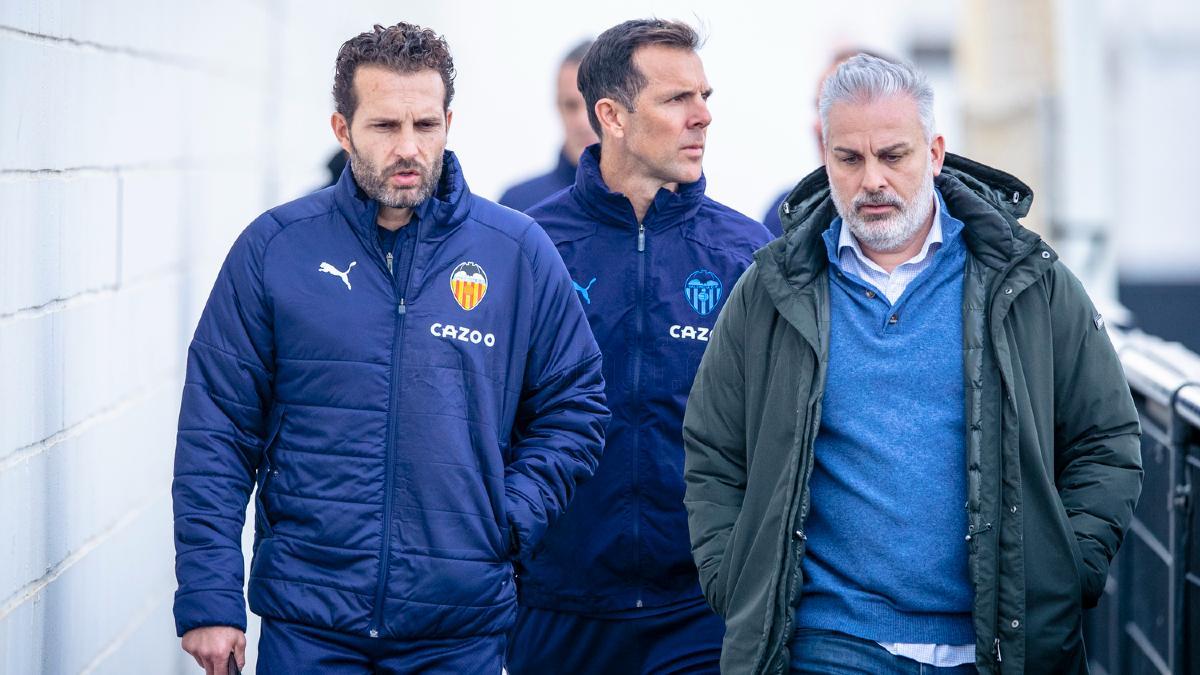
863 79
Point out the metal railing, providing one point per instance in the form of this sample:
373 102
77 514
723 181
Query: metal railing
1149 618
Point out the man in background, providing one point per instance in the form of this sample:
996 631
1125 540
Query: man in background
577 135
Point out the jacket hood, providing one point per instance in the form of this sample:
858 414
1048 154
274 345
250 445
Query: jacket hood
438 215
668 208
987 201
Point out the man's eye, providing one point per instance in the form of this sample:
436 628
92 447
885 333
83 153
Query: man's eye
849 160
891 158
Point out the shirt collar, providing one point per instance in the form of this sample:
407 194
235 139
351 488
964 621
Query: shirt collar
847 240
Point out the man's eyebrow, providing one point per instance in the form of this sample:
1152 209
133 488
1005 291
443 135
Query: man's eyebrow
685 91
845 150
902 145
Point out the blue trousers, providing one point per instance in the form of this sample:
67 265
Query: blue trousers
684 638
827 652
287 648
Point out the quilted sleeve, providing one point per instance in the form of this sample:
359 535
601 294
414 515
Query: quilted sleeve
558 433
226 397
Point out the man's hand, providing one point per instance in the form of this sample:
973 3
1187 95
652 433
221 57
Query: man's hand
211 646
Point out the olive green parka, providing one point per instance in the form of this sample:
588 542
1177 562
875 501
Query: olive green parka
1053 460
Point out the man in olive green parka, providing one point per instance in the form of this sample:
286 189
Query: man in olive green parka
1044 451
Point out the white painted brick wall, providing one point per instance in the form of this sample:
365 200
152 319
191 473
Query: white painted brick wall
138 139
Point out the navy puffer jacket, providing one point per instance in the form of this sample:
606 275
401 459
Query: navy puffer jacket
403 450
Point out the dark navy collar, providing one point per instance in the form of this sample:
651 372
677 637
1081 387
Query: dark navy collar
435 217
667 209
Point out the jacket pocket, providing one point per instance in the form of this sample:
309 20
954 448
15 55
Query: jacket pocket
267 470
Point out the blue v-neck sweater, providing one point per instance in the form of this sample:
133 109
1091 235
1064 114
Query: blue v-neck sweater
887 558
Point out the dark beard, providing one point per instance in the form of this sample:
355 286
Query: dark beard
374 182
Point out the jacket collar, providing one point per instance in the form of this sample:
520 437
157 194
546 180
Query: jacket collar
667 209
436 217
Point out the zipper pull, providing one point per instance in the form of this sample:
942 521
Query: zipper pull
401 309
389 262
999 659
641 237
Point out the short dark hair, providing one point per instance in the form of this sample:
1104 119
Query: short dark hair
608 71
403 48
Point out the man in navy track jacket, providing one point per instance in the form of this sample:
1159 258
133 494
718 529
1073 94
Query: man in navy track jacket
613 588
402 375
577 135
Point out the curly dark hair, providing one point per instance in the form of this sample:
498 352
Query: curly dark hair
403 48
608 70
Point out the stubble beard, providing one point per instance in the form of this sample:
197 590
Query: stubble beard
374 182
890 233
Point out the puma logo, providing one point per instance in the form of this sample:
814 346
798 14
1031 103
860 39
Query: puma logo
330 269
583 290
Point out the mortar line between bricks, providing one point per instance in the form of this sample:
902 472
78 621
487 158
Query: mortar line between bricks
179 164
146 54
31 589
155 599
27 452
88 296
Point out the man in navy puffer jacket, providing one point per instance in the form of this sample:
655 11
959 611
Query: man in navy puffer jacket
400 372
613 588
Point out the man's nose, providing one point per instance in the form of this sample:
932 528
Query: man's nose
701 117
874 179
406 146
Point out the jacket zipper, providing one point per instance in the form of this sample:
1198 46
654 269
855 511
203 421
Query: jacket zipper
1001 280
393 397
637 391
801 488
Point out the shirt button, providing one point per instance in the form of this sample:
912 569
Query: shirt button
1008 291
1045 254
1013 509
895 318
374 633
870 294
1015 623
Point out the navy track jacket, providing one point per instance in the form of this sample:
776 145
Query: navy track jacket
403 451
528 193
652 294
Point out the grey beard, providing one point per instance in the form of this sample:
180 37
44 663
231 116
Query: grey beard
375 182
887 235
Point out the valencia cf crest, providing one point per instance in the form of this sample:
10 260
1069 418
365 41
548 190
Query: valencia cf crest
703 291
469 284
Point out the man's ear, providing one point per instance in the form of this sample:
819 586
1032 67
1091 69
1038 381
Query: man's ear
449 117
937 151
341 131
613 117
